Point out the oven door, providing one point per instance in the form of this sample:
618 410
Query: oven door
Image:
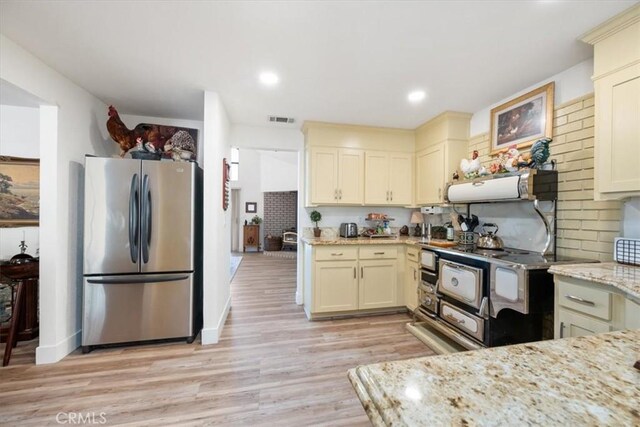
462 320
509 289
461 282
428 260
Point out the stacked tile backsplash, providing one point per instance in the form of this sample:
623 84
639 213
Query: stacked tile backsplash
586 228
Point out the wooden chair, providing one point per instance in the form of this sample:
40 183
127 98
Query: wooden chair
25 278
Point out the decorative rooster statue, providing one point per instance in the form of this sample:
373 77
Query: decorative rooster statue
119 132
471 167
540 152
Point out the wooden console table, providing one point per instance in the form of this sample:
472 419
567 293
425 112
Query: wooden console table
251 234
24 317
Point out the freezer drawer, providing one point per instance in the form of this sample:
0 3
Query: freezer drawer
118 309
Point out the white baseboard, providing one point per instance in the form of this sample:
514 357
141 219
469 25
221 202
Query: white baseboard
212 335
54 353
298 298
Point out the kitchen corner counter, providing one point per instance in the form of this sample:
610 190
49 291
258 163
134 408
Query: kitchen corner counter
578 381
396 240
625 278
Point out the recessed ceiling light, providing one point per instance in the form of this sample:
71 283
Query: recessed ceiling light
268 78
416 96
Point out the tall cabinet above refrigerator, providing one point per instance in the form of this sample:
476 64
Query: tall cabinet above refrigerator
142 251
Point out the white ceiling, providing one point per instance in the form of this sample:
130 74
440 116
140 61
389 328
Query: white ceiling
350 62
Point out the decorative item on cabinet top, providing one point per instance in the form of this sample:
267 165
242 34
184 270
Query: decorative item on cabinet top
225 184
176 142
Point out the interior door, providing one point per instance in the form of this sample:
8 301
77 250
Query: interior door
111 215
167 216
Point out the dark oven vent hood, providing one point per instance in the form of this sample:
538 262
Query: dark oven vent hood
528 184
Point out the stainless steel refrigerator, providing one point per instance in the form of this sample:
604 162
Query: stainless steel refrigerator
142 251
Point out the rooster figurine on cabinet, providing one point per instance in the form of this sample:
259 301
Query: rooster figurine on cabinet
471 167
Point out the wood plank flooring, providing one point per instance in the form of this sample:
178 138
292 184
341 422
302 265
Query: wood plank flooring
271 367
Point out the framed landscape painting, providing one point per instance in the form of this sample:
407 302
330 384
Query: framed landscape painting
523 120
19 192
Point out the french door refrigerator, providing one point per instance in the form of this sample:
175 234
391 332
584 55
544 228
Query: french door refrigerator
142 251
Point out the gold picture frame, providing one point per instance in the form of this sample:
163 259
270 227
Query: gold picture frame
19 192
523 120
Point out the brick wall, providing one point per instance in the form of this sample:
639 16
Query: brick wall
280 211
586 228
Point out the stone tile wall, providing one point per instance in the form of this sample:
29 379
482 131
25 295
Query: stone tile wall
280 212
586 228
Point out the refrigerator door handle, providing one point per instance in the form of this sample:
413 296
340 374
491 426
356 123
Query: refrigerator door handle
146 218
139 279
134 224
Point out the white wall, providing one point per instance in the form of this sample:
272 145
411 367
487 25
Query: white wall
631 218
74 125
278 171
19 137
132 121
265 137
570 84
217 241
249 185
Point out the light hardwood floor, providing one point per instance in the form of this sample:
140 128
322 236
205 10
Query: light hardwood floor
271 367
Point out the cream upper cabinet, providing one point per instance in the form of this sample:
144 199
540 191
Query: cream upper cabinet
324 175
430 175
617 105
350 176
388 178
440 143
336 175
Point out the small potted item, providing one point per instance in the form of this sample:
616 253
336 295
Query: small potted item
316 216
256 220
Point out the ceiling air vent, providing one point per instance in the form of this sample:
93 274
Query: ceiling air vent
277 119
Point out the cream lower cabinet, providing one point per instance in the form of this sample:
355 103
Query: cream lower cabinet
378 284
587 308
342 279
336 286
412 278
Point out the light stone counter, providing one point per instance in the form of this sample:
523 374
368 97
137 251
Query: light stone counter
578 381
625 278
395 240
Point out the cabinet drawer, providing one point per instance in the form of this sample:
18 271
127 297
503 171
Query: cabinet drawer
336 253
573 325
378 253
585 299
413 255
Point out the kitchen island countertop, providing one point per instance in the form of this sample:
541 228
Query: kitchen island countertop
625 278
577 381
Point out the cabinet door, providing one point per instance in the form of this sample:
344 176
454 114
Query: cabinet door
572 324
631 315
350 176
335 286
618 132
430 175
412 277
376 178
400 178
324 175
378 284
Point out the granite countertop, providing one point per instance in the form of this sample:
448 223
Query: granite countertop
393 240
626 278
577 381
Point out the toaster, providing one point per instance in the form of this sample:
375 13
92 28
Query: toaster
348 229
